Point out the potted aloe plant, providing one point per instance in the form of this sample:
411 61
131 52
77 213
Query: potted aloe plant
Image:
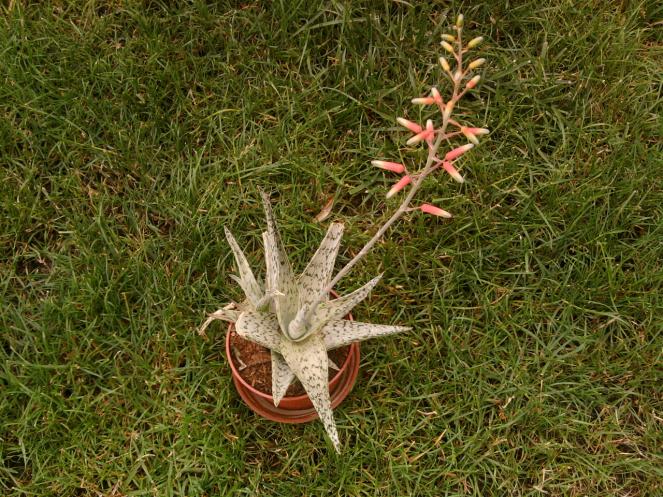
293 319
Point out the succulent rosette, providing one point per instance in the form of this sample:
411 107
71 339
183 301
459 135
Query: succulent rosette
286 315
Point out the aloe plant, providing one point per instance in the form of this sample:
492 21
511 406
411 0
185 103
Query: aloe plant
293 316
286 315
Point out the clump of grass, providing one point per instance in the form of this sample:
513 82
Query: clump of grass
132 132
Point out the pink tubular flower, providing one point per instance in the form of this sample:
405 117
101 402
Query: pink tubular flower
414 127
435 211
473 82
405 180
469 135
457 152
435 95
478 131
427 134
430 129
453 172
389 166
423 101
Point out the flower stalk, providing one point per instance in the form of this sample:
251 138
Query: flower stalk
434 138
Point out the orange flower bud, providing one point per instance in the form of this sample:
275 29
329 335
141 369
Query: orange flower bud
437 98
427 134
435 211
453 172
473 82
457 152
448 109
389 166
404 181
469 135
479 131
414 127
423 101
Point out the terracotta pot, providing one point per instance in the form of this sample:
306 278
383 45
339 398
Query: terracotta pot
297 409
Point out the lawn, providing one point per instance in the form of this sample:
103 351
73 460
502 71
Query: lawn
132 132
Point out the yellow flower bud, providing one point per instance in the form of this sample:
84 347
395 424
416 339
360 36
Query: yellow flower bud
476 63
449 38
459 20
448 109
475 42
445 65
447 47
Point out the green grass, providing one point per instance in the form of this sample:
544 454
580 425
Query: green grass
132 132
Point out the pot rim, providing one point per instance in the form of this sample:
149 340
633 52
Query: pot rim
267 410
235 372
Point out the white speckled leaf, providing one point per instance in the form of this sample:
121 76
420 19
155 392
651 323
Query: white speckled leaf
271 264
247 281
282 376
259 327
308 360
318 272
344 332
283 288
279 251
249 303
280 276
339 308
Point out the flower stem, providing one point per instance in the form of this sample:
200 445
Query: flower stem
431 165
402 209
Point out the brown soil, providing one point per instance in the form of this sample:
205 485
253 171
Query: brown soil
254 364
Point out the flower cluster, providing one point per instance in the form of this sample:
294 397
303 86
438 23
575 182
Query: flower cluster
434 135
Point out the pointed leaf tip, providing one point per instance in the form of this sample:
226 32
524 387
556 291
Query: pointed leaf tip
282 376
343 332
279 272
247 281
308 360
340 307
319 271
